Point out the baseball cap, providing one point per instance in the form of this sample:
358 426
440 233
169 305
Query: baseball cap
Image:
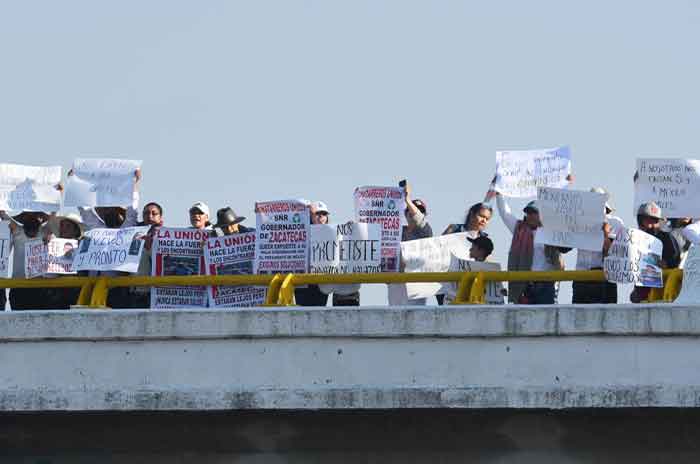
320 207
532 206
483 242
650 209
201 206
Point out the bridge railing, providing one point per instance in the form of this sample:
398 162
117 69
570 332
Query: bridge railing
471 286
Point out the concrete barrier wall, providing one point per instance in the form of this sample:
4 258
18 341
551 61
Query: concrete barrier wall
361 358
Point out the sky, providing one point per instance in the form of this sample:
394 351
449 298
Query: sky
232 102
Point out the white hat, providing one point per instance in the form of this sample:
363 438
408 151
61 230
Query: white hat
320 207
75 219
200 205
602 191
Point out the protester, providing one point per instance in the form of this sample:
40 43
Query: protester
649 219
228 223
111 217
152 215
311 295
675 226
526 255
475 222
417 226
481 248
68 227
199 216
598 292
318 211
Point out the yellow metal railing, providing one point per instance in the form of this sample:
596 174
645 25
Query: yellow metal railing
471 286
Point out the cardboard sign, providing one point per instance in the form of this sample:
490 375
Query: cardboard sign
495 294
111 249
232 255
520 173
101 182
342 249
634 258
282 237
674 184
690 291
54 258
383 206
178 252
29 188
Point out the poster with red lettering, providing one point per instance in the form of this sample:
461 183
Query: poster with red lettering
232 255
383 206
178 252
282 237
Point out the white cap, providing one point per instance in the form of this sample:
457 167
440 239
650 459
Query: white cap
200 205
320 207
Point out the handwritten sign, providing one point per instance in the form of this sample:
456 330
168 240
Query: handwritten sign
494 292
232 255
520 173
674 184
101 182
282 237
383 206
111 249
54 258
690 291
5 241
29 188
634 258
178 252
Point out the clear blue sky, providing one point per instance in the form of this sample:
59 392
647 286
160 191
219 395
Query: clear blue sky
231 102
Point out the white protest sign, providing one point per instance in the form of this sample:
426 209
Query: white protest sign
674 184
494 290
383 206
690 291
29 188
178 252
5 241
232 255
431 255
282 237
54 258
583 241
111 249
101 182
571 210
342 249
520 173
634 258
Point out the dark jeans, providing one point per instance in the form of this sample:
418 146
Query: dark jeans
543 293
22 299
594 292
310 296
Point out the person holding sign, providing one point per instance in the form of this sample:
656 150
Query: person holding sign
649 219
68 227
597 292
199 216
311 295
228 223
475 223
417 226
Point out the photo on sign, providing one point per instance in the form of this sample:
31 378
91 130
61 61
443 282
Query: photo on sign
240 268
180 265
136 243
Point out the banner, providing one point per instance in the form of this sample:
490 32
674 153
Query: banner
111 250
29 188
342 249
494 290
54 258
232 255
674 184
634 258
101 182
281 241
383 206
690 291
431 255
520 173
178 252
5 241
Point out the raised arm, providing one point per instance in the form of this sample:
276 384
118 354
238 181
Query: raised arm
506 214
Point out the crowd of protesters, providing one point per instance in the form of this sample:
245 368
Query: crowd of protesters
525 254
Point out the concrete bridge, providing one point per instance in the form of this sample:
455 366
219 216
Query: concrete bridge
449 384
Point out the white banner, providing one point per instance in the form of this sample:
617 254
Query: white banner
674 184
233 255
520 173
282 237
583 241
101 182
178 252
690 291
5 242
634 258
494 290
342 249
111 249
29 188
54 258
574 211
383 206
